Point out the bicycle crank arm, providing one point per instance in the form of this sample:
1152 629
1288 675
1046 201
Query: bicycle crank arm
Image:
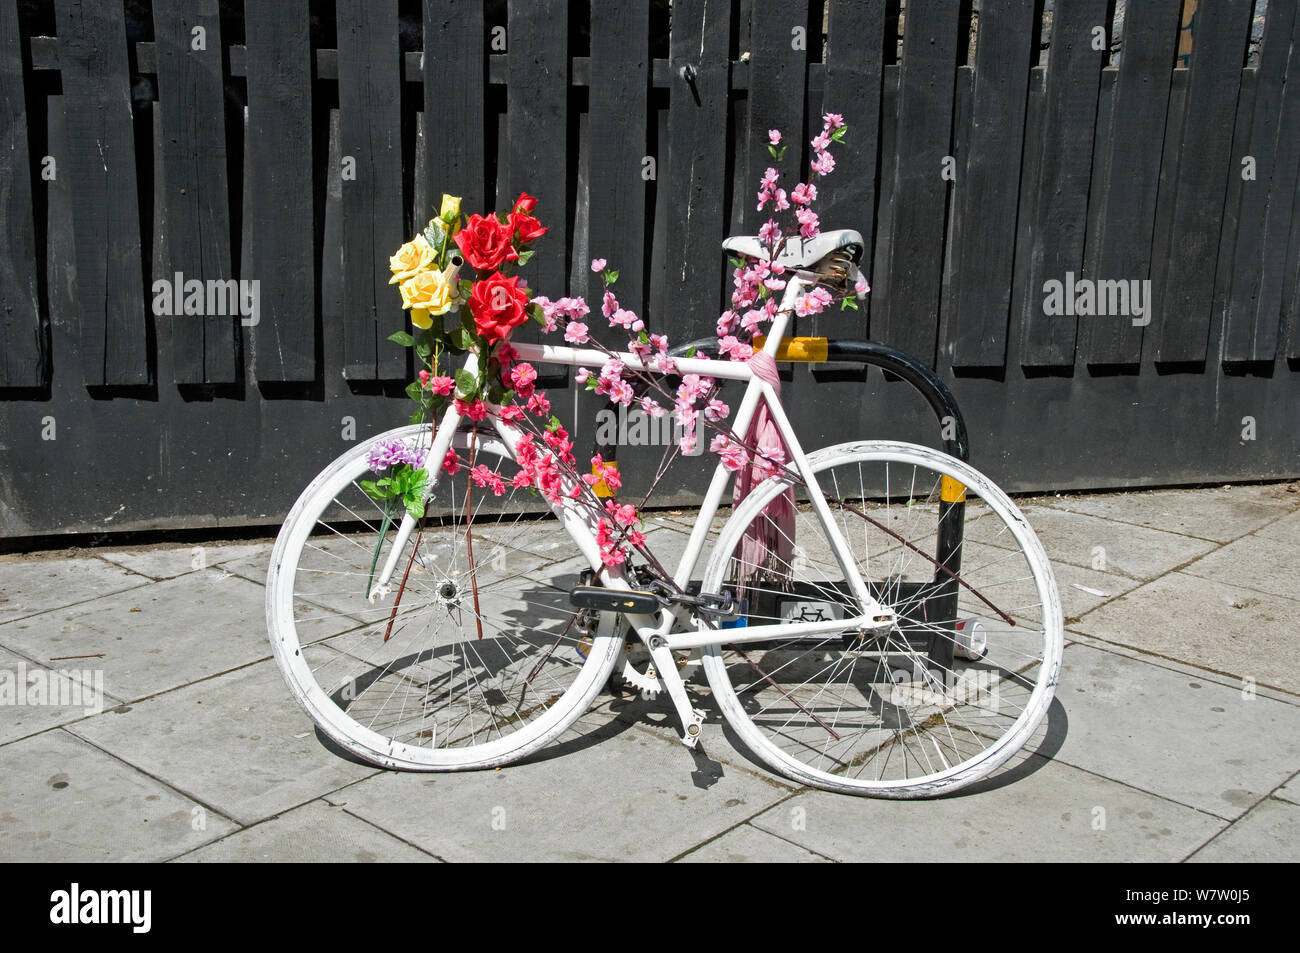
666 669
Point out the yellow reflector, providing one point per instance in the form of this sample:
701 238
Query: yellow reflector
601 488
950 491
796 349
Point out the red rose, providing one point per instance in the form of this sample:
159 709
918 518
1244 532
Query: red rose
526 227
485 243
525 203
498 305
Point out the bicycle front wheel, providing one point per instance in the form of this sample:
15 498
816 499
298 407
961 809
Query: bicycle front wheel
942 697
481 660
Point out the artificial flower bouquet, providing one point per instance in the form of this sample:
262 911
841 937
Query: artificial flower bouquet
466 268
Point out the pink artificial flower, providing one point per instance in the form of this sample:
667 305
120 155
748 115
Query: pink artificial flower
451 463
716 410
538 404
782 200
769 232
809 226
475 411
804 193
441 385
774 137
511 413
833 120
598 265
861 287
576 333
651 407
523 376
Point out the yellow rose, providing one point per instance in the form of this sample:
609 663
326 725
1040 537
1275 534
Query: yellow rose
410 259
450 210
427 292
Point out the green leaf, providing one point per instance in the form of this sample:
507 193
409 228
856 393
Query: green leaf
414 506
554 424
417 417
466 384
838 134
611 275
372 490
593 382
402 338
525 255
736 262
690 351
413 390
536 313
643 337
465 288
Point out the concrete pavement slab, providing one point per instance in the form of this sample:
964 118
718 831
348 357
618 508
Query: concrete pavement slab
1103 544
1053 813
67 693
1194 742
34 584
1215 513
1206 623
62 799
746 844
615 793
315 833
1286 529
167 562
162 636
1254 562
1269 833
239 742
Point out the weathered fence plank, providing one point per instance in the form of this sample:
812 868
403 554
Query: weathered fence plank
988 186
855 50
1254 305
1073 76
101 162
778 44
279 183
537 142
696 177
1127 192
925 107
196 205
22 351
1181 319
370 147
616 147
455 83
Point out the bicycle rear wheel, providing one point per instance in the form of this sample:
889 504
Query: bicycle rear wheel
916 710
481 661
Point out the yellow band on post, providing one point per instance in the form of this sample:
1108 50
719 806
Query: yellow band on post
601 488
951 491
797 349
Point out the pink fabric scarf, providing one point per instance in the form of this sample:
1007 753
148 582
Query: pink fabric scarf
768 545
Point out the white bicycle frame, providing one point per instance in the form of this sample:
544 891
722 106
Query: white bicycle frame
656 632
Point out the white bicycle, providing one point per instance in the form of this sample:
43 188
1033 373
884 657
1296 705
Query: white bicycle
902 637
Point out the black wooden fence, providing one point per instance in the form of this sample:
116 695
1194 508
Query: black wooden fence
997 150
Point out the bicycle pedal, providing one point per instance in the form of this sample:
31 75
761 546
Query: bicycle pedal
637 601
